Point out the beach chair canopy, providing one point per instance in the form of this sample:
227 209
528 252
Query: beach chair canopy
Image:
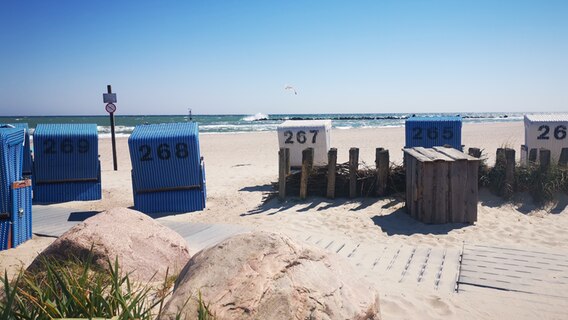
165 156
431 132
66 152
11 152
27 164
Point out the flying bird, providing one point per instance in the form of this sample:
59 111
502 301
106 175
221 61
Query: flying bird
291 88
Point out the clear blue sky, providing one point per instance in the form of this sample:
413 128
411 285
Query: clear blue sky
218 57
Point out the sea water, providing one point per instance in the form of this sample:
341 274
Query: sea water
124 124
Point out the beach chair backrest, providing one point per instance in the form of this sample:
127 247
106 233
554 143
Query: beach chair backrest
431 132
165 156
66 152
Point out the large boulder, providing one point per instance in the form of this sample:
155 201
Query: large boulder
144 247
268 276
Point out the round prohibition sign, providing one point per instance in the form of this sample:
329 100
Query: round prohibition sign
110 107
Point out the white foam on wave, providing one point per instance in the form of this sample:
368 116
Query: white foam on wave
117 135
117 129
257 116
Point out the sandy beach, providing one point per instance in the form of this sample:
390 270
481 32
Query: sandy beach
241 167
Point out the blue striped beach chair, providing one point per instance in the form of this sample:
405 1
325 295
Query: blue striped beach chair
27 164
431 132
168 174
15 193
66 163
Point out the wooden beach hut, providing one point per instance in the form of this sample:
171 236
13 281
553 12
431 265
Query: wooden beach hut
168 173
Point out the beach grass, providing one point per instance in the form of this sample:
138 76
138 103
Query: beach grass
78 289
541 183
75 289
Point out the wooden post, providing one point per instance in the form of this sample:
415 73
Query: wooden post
544 159
282 160
532 156
563 161
509 172
353 167
382 163
500 157
307 162
287 150
331 168
474 152
377 150
506 161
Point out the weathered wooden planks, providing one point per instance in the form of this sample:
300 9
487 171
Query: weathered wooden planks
283 171
307 164
353 167
510 269
382 163
505 159
544 158
474 152
563 160
331 167
441 185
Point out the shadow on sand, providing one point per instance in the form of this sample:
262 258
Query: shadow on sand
560 205
156 215
81 215
274 206
399 222
265 188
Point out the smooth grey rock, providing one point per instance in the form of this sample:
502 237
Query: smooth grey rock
268 276
144 247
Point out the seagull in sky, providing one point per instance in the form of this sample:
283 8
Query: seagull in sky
288 87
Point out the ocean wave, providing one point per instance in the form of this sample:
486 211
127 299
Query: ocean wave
256 117
236 127
117 135
117 129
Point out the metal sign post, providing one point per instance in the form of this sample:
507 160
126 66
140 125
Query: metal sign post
110 98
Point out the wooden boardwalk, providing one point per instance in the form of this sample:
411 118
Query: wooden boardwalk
471 268
511 269
53 221
416 266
